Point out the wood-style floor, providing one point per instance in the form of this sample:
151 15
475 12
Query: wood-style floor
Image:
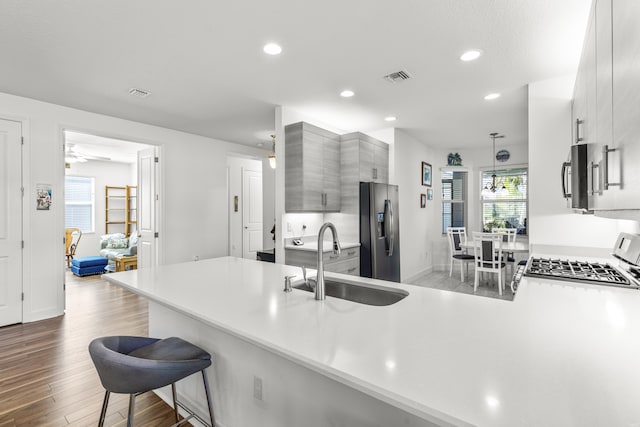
46 375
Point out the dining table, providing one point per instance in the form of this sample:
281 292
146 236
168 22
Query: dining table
513 247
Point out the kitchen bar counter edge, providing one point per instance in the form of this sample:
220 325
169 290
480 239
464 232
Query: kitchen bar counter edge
448 358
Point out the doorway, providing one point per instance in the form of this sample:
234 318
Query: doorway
11 223
245 211
106 200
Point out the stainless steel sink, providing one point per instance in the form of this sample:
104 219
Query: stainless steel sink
359 292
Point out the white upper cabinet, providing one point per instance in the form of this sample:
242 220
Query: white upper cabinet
312 169
368 155
624 162
606 105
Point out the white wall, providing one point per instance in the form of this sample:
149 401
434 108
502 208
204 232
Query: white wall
193 186
236 167
420 228
480 159
105 173
268 204
425 248
554 227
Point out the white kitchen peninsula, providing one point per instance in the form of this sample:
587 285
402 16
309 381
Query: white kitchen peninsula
558 355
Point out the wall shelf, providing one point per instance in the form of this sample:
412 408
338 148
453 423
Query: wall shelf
120 203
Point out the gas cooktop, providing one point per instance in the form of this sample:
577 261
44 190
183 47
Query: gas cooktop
580 271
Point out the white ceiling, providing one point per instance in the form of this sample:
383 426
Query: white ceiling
98 148
203 62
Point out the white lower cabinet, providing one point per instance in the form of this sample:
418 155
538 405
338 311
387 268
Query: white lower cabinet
347 262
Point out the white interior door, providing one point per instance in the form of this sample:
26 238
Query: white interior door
146 210
251 213
10 222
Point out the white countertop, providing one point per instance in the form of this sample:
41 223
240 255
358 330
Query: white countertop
558 355
327 246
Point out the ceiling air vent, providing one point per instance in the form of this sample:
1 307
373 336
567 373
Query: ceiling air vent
397 77
141 93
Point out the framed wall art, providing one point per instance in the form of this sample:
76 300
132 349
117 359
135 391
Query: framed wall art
429 194
426 174
423 200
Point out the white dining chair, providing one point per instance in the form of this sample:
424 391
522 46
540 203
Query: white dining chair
487 249
456 237
509 235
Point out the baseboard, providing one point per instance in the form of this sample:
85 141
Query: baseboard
443 267
165 394
417 275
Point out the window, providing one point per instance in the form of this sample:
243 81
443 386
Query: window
79 203
454 195
508 207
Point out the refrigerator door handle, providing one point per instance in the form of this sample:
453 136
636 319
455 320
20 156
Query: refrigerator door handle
388 226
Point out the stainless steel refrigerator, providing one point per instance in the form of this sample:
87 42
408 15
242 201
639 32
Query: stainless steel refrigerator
379 231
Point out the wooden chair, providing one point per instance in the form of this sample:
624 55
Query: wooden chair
71 238
456 237
487 249
509 235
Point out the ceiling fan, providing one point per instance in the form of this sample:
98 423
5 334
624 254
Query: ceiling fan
71 155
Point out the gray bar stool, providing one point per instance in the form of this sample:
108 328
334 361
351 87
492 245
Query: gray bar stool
136 365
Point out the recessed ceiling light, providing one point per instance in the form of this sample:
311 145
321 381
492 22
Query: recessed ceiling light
492 402
347 93
492 96
259 144
390 118
470 55
272 49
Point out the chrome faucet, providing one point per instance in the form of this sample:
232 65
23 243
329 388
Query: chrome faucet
320 295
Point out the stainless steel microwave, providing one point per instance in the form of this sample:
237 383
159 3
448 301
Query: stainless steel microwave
578 175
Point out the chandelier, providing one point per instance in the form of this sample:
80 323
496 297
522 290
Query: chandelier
495 186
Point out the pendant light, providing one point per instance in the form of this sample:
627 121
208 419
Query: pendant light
272 155
494 186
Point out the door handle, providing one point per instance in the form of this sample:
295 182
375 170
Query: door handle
593 167
388 226
578 137
605 169
565 166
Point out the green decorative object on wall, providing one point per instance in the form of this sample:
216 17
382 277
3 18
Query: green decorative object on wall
454 159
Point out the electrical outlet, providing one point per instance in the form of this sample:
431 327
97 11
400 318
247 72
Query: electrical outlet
257 388
289 227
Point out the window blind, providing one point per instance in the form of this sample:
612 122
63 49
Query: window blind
453 199
79 203
508 207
